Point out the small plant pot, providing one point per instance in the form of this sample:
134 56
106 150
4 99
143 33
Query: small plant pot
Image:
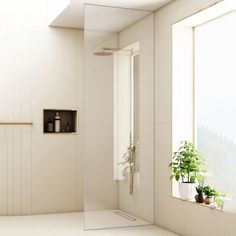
208 200
186 190
199 198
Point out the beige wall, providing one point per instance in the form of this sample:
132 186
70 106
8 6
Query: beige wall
54 85
40 68
179 216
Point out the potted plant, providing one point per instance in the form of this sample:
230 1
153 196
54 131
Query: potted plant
186 165
219 199
209 193
199 197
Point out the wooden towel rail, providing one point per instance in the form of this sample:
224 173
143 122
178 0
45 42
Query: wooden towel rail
16 123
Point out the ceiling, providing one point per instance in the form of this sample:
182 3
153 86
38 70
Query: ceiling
150 5
73 15
111 19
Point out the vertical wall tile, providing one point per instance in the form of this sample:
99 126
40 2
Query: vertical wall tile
26 170
10 169
3 172
17 170
15 106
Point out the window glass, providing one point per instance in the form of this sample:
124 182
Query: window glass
215 101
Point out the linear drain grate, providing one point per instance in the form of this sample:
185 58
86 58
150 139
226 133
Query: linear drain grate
122 214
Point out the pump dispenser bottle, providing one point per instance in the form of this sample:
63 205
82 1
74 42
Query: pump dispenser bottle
57 121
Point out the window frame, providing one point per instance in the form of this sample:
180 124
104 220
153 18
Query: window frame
183 73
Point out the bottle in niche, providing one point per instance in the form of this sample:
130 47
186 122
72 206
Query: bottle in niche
57 122
68 127
50 126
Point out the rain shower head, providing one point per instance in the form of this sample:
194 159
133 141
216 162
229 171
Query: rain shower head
109 51
106 51
103 53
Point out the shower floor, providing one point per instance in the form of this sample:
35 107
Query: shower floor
111 219
69 224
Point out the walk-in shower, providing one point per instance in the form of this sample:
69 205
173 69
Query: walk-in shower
119 117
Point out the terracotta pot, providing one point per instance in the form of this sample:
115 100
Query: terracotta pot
208 200
199 198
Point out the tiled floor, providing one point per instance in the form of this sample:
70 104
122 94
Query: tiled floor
71 224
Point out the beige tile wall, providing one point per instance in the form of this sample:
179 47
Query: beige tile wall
40 68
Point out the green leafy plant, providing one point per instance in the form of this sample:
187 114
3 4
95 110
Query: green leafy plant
209 191
129 164
199 197
187 164
199 190
128 160
218 198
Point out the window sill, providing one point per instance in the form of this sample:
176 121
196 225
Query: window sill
211 206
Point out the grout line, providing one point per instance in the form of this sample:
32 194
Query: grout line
31 130
7 152
154 116
13 170
77 122
21 136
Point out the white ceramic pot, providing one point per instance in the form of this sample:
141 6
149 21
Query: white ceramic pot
186 190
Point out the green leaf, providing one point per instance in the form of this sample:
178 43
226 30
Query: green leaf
219 203
192 179
177 177
172 176
224 194
200 179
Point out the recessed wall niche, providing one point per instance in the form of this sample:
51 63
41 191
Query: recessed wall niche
59 121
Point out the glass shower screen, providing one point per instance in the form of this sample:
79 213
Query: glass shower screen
118 117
